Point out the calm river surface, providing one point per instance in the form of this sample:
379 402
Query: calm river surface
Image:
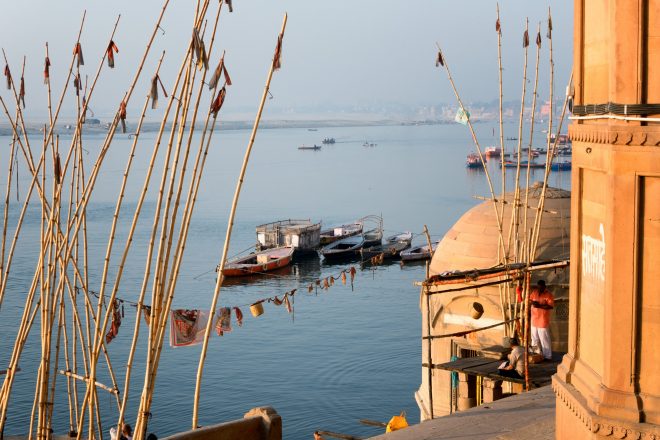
343 355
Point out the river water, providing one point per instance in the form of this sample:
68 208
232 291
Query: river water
344 354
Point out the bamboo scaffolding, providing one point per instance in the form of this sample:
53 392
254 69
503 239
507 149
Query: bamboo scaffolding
230 224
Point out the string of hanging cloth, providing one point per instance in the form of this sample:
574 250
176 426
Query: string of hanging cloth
187 326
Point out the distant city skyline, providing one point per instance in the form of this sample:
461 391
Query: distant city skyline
337 56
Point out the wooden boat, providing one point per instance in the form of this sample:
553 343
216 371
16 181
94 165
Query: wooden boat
343 249
349 247
560 166
523 164
259 262
555 166
473 161
338 232
389 249
403 236
417 253
303 235
493 151
315 147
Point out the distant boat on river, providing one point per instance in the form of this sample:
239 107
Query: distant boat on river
315 147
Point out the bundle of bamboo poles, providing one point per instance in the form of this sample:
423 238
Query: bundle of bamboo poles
75 330
521 243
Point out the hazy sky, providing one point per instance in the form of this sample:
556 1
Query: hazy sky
337 54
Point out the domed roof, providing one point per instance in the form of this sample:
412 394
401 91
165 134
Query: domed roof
473 241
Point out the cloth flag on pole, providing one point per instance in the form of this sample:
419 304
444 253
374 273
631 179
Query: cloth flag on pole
462 116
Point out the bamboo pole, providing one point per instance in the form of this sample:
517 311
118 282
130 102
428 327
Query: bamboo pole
67 373
230 224
476 143
513 228
501 254
531 133
6 213
429 351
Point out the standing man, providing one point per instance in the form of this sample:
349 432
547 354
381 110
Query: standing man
542 302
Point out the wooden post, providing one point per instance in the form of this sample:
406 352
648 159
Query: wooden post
429 342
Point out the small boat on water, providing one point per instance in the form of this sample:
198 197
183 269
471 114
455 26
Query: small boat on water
390 249
493 151
523 164
349 247
312 129
315 147
418 253
368 144
560 166
555 166
259 262
343 249
338 232
403 236
473 161
328 140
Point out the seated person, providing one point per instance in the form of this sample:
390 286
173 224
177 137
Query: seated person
516 364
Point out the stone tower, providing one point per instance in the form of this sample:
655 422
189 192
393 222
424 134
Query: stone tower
609 382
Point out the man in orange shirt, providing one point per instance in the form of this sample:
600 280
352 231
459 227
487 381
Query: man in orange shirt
542 303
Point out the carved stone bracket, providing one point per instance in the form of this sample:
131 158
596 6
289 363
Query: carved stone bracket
600 425
615 135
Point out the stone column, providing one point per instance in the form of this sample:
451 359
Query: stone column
492 390
608 383
467 388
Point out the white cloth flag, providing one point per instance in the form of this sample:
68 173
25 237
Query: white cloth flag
462 116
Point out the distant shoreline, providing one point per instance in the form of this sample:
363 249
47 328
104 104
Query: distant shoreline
102 126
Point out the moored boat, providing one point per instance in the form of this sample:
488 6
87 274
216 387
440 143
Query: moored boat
390 249
303 235
401 237
493 151
523 164
259 262
417 253
338 232
349 247
343 249
560 166
473 161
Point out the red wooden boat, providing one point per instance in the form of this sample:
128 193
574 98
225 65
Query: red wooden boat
258 262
